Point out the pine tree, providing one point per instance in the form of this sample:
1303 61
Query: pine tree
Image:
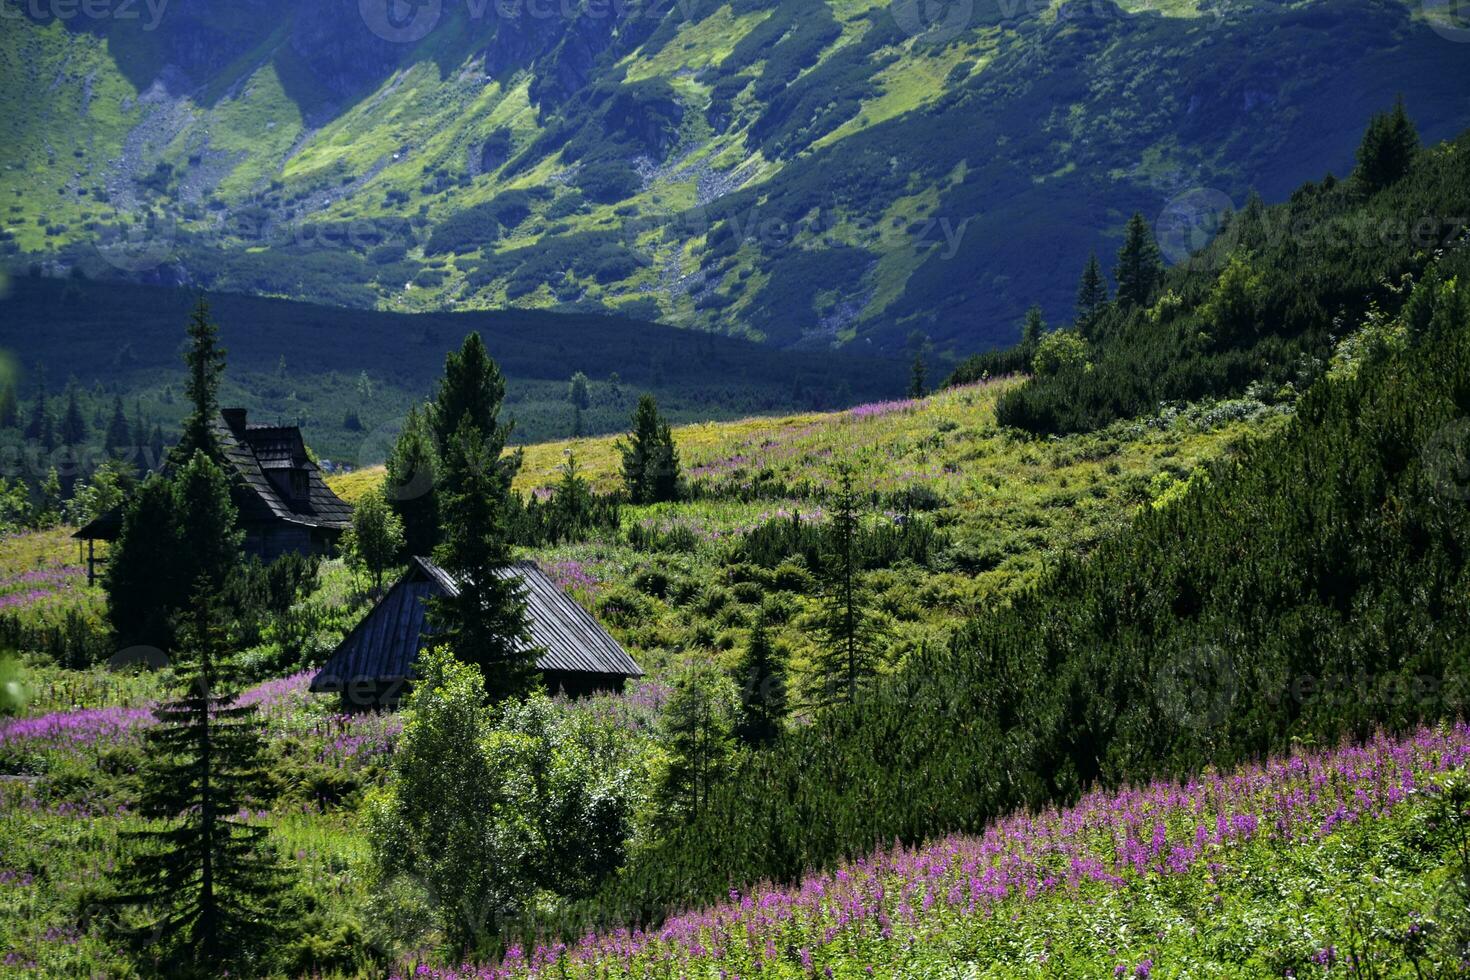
1092 293
41 428
650 458
206 361
155 446
485 623
412 471
918 378
176 531
761 676
49 507
9 408
1140 266
118 442
697 721
846 633
1388 149
571 504
1032 329
206 879
73 425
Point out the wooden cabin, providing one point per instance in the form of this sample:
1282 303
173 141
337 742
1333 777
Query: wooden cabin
374 666
284 504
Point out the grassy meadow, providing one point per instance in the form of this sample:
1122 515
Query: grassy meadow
673 583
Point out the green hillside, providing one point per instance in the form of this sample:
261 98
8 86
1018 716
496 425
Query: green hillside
732 166
349 376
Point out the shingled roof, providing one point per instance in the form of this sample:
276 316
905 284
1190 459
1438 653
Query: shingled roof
252 450
384 647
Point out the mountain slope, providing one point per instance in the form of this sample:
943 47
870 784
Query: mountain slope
796 172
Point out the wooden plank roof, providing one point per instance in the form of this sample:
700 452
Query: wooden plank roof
251 450
384 647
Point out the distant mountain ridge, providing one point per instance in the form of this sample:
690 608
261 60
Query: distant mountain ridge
804 173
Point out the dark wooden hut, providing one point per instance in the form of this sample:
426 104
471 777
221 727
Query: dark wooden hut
374 665
285 506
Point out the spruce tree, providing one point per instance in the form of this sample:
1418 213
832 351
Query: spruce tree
73 425
1388 149
697 722
412 472
1032 329
175 531
761 676
205 879
118 441
41 428
9 408
571 504
206 362
1092 293
846 633
485 622
1140 267
650 458
918 378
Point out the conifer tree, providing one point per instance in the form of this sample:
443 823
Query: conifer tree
1388 149
412 471
697 721
1140 267
206 362
73 425
846 633
49 507
1032 329
571 503
176 531
9 408
1092 293
485 623
206 878
650 458
118 440
41 428
761 676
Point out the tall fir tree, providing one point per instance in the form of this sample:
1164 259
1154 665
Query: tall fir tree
1140 265
1092 293
1388 149
485 623
176 530
206 363
42 427
118 443
73 424
761 677
205 880
412 469
1032 329
697 722
650 458
9 408
847 635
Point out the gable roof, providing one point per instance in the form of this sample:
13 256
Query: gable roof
384 647
252 450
